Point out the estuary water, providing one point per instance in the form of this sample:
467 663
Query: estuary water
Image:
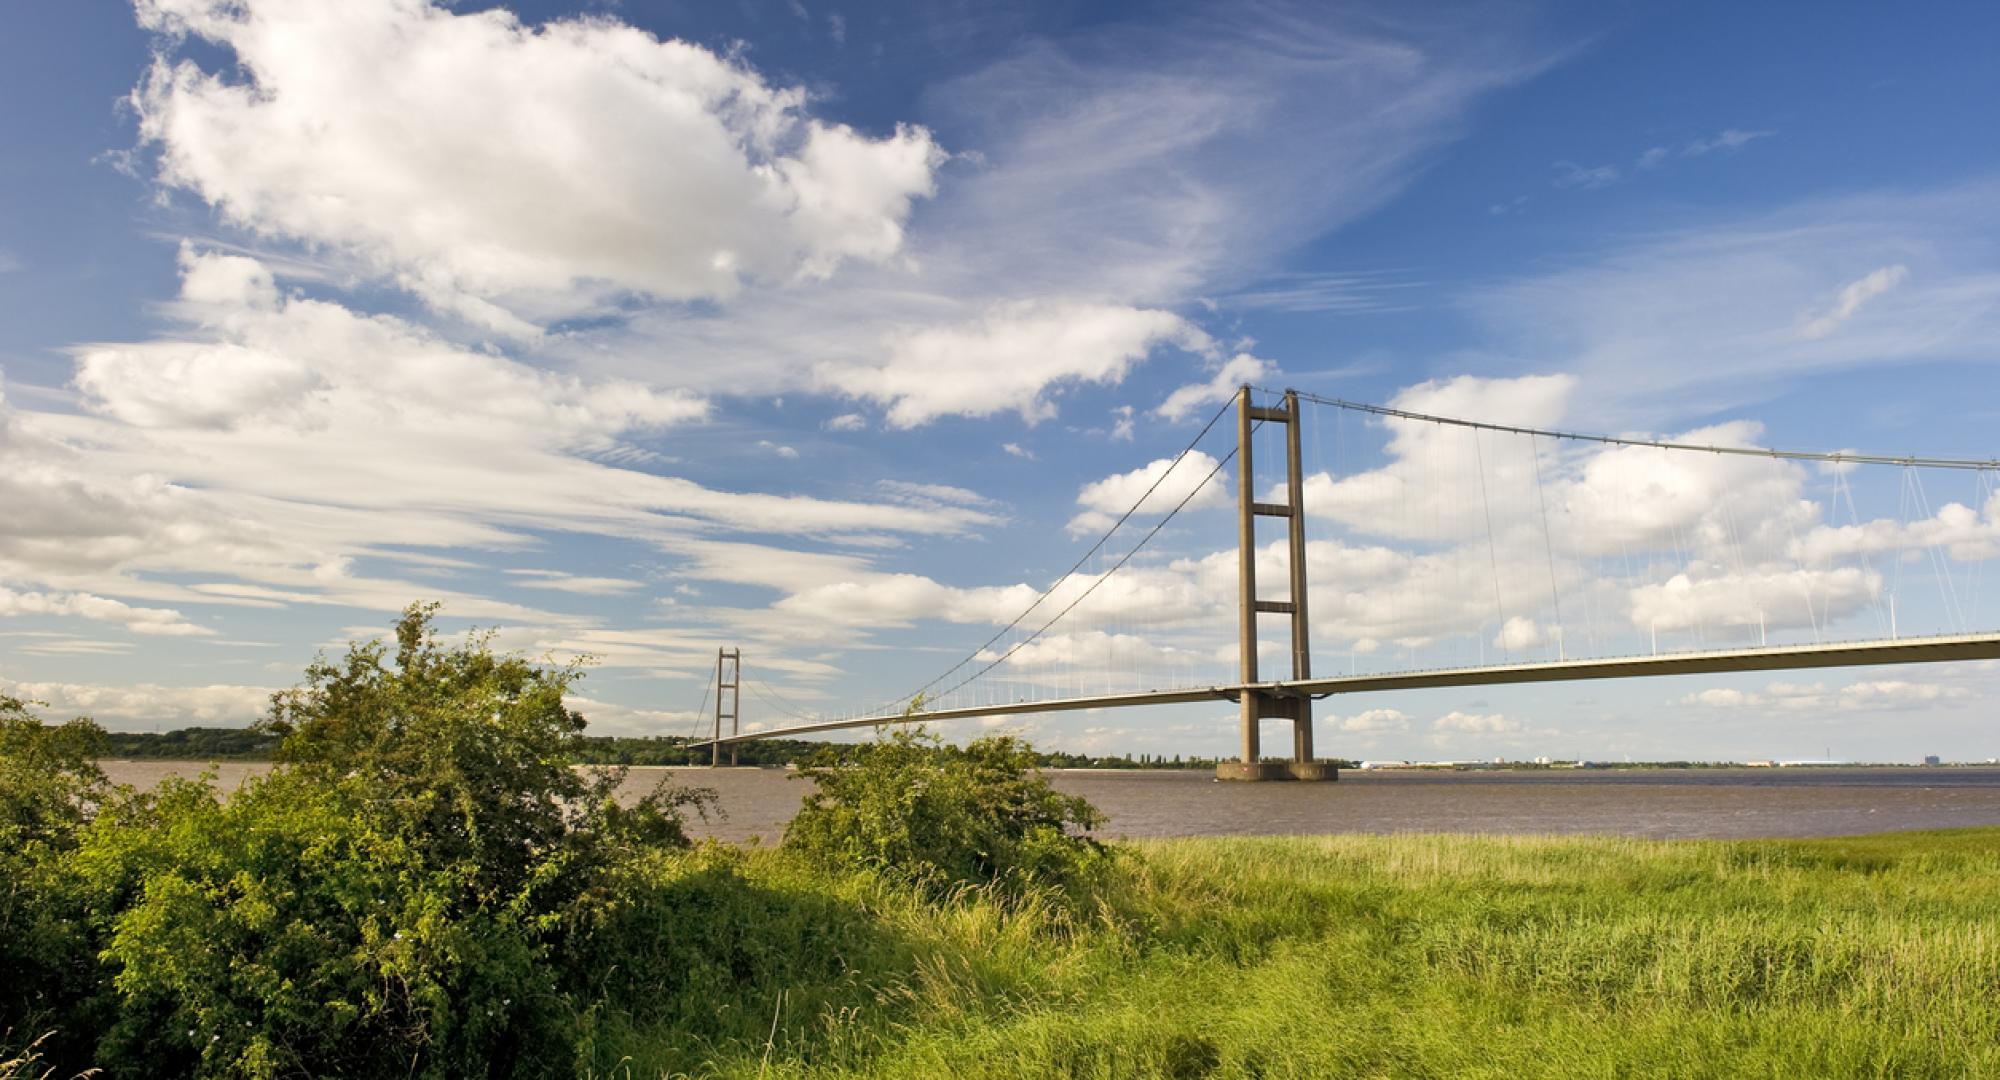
1720 803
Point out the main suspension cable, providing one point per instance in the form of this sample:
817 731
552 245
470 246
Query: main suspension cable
1834 456
975 654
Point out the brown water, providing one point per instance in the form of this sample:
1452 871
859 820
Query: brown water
1634 802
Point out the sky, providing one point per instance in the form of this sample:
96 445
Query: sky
837 333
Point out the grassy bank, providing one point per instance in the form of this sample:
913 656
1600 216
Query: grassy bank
1352 955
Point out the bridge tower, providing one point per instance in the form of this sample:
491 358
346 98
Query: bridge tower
1259 705
728 680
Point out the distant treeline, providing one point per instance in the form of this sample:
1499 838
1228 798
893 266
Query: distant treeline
192 744
249 744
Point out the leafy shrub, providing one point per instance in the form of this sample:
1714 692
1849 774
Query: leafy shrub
50 784
391 899
287 931
50 789
946 816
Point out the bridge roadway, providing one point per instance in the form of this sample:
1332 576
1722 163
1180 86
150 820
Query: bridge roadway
1707 662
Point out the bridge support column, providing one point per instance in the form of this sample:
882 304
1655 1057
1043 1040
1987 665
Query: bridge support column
728 680
1258 705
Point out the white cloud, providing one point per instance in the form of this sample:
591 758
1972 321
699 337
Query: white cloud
1009 359
1122 426
1476 723
1519 632
1964 533
1372 720
1163 484
1855 294
610 718
924 494
162 622
400 442
1412 496
1571 175
1241 369
1017 450
1705 319
786 452
509 173
1771 598
1870 695
847 422
572 583
1730 139
146 705
1719 697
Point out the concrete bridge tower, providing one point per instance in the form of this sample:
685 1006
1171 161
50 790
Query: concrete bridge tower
1258 704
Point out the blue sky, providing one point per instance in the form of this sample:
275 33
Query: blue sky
828 331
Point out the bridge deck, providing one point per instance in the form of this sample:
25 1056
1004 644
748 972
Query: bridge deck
1709 662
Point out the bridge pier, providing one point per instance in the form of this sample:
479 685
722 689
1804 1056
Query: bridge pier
1259 705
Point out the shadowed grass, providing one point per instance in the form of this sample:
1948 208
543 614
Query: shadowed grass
1413 955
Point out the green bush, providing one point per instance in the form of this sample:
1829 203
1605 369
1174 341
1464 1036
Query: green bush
945 816
50 790
393 899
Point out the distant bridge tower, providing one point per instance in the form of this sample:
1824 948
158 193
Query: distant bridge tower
1259 704
728 680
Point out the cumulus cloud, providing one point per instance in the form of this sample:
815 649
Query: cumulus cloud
1739 601
508 172
1372 720
1476 723
1435 473
1162 484
1519 632
1009 359
1241 369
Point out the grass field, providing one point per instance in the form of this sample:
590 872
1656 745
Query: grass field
1413 955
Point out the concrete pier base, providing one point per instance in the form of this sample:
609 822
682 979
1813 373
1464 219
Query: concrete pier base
1277 770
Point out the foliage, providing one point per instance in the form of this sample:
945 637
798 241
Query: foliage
288 931
50 790
50 784
393 898
945 816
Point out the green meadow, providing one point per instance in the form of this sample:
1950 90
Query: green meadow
1412 955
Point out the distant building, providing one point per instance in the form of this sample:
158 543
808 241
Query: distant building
1932 759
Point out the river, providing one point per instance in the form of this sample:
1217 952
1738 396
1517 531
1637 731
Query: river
1629 802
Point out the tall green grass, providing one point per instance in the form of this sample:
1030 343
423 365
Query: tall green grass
1412 955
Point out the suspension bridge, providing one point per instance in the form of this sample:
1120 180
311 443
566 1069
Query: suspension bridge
1460 553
